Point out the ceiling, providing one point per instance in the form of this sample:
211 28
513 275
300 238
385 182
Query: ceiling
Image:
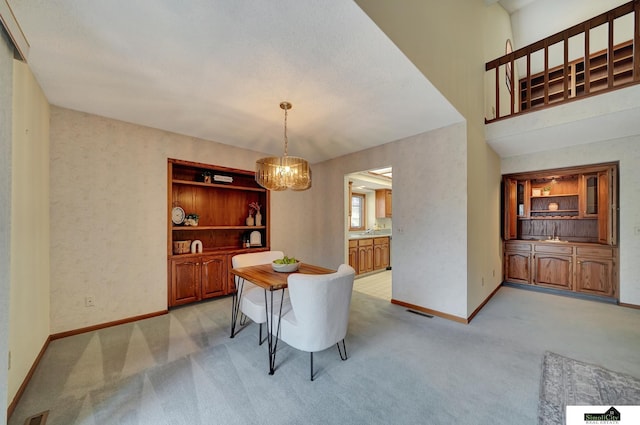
365 181
512 5
218 70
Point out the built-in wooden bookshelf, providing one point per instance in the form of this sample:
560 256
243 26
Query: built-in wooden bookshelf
576 76
220 196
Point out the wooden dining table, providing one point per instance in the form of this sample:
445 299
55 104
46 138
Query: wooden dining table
271 281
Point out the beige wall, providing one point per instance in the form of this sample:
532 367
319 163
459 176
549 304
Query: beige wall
625 150
428 247
6 90
29 300
495 39
109 212
453 62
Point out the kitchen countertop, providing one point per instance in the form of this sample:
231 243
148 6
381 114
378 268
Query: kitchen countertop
369 236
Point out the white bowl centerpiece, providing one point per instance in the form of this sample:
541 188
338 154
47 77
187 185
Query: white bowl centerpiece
285 265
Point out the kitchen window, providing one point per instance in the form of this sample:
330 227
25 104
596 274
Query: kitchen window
358 211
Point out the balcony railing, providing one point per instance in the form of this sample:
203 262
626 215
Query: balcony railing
593 57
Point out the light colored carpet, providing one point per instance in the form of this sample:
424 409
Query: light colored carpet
182 368
570 382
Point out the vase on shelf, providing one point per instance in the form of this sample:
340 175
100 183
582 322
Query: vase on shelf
250 221
258 219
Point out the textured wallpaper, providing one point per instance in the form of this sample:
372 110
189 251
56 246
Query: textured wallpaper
429 243
6 86
108 214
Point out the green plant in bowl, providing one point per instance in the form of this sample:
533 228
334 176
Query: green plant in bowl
285 264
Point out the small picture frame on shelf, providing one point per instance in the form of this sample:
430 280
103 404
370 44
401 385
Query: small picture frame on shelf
536 192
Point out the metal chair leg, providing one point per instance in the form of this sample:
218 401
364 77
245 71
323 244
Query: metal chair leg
311 365
345 357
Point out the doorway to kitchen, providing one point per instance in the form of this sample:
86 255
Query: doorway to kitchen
368 229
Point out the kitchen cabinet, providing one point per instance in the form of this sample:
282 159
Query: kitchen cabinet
220 196
575 267
365 255
517 262
369 254
553 266
380 253
595 271
353 254
383 203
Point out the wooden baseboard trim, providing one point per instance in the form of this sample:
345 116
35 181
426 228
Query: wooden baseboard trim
447 315
16 398
477 310
52 337
636 306
107 324
430 311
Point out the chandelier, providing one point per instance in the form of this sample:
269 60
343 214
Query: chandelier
285 172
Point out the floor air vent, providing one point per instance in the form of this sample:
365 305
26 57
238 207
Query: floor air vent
39 419
419 313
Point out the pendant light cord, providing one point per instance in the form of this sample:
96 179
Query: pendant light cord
286 139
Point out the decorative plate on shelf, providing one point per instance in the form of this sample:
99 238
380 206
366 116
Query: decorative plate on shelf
553 206
177 215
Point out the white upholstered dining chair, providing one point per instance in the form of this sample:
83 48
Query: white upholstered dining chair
252 299
319 314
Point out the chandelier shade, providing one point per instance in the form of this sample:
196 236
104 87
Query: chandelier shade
282 173
285 172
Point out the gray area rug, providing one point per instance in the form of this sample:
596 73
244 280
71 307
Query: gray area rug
570 382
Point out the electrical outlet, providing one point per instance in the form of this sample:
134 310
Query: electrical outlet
89 301
483 281
494 272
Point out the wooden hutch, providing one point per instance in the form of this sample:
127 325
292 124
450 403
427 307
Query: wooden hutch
560 229
220 196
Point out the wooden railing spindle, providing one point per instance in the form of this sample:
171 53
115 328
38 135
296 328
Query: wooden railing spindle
636 41
610 54
587 60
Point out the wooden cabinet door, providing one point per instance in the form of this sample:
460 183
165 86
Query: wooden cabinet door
380 253
353 258
594 276
365 258
185 281
377 257
386 254
383 203
369 266
388 203
517 267
510 213
213 275
553 270
604 204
